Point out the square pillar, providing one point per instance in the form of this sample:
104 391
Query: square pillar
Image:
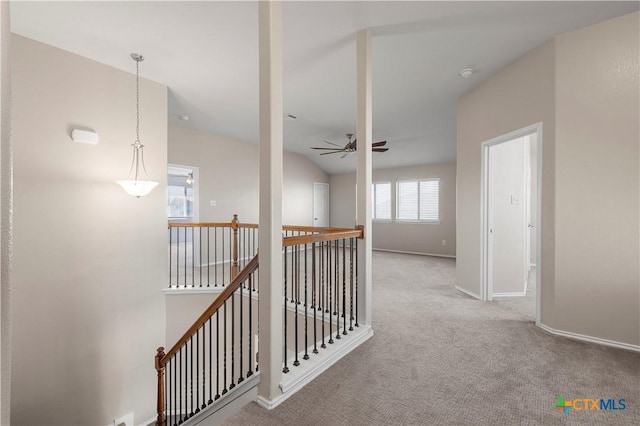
270 222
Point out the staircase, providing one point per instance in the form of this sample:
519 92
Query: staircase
214 366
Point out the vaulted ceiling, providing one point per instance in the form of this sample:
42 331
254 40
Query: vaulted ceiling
207 54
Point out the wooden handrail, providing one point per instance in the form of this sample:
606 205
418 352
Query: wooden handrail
217 304
337 234
200 225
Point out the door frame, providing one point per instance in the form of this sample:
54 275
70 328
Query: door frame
486 284
313 208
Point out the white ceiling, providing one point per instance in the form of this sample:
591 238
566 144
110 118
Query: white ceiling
206 52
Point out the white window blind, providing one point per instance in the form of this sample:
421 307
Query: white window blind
381 200
418 200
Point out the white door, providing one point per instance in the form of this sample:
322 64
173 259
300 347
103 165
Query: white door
320 204
507 216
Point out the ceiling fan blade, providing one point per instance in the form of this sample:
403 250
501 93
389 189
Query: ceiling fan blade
331 143
327 149
334 152
380 149
381 143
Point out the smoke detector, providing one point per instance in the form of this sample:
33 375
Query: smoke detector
466 73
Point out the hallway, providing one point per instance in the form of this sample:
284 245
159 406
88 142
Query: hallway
441 357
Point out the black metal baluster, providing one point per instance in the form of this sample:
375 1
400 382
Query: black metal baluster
241 378
193 257
191 382
285 369
215 257
174 361
224 364
204 365
351 284
322 288
296 261
180 402
344 286
222 267
306 303
357 325
217 354
170 256
210 364
197 371
250 372
334 263
313 297
233 334
336 282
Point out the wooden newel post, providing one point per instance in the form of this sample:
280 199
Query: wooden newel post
234 226
161 419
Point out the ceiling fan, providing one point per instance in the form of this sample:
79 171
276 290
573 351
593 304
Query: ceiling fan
350 147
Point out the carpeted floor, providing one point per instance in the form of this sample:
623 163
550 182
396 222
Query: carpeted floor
441 357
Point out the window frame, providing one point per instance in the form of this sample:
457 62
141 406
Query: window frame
414 221
373 202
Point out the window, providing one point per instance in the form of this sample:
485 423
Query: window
418 200
381 200
180 193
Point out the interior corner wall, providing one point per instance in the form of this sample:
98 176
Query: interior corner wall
6 209
520 95
405 237
590 183
597 180
90 260
229 176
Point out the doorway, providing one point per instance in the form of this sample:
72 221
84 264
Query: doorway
511 194
320 204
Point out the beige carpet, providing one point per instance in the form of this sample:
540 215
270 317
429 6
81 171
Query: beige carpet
441 357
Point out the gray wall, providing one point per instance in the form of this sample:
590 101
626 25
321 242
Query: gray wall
408 237
229 175
590 183
90 260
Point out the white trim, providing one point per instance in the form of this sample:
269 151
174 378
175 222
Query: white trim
196 193
485 284
193 290
414 252
149 422
514 294
468 293
590 339
293 381
313 203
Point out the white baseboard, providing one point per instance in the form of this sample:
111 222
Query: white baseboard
514 294
294 382
468 293
590 339
415 252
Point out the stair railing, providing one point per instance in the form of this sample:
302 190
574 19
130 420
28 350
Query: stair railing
215 355
320 273
209 254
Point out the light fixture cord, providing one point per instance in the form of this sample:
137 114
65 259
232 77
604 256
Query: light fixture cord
137 101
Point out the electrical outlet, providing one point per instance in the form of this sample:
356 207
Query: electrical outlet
444 242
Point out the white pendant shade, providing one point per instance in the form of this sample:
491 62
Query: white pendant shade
137 188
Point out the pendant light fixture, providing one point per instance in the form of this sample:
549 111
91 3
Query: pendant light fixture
133 185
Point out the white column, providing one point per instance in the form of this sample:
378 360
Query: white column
6 218
270 244
363 173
